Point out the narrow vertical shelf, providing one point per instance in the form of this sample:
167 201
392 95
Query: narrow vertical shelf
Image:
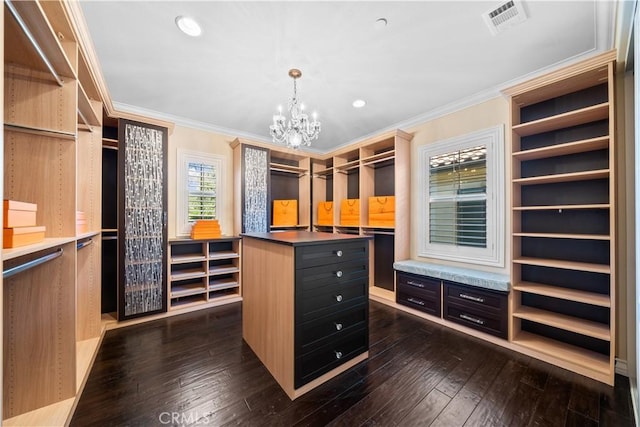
563 226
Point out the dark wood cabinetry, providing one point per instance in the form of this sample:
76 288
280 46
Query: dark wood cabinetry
419 292
476 308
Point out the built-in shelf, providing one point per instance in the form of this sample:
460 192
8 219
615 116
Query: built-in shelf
181 259
591 298
575 147
564 236
47 243
85 109
561 207
52 133
572 118
221 284
563 177
190 273
377 158
223 269
575 355
345 167
223 255
278 167
567 265
183 290
568 323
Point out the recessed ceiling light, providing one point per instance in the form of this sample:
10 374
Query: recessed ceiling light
189 26
359 103
381 23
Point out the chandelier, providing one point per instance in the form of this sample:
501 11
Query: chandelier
298 130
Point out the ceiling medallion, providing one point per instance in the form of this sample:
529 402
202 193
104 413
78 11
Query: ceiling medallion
297 131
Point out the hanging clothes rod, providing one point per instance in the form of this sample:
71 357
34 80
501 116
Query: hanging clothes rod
84 244
30 264
33 41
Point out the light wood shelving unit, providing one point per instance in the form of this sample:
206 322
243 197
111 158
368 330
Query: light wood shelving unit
291 180
562 306
204 272
52 157
379 166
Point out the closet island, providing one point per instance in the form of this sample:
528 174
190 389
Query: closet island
305 304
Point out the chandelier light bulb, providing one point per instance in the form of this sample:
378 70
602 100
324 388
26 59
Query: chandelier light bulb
298 130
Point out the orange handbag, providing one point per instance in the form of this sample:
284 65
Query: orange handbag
325 213
350 212
382 211
285 212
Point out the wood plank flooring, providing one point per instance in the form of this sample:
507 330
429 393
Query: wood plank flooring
195 369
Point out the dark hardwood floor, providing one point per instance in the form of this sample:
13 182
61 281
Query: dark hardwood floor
195 369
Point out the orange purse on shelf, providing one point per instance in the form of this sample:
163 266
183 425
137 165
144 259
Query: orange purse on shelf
350 212
285 212
325 213
382 211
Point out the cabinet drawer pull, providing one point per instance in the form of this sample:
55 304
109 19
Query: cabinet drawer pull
416 284
416 301
338 355
472 319
339 273
339 253
472 298
339 298
338 326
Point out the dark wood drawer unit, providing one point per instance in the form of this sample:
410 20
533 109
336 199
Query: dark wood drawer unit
419 292
476 308
331 306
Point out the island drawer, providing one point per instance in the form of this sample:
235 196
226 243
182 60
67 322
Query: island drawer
315 333
326 300
335 252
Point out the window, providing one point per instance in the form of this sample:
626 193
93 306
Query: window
462 198
199 188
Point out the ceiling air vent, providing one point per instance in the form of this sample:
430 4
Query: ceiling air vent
504 16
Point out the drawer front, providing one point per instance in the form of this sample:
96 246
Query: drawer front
419 282
312 365
479 299
315 303
425 301
465 315
331 253
315 278
316 333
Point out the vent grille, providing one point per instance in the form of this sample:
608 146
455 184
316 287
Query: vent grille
504 16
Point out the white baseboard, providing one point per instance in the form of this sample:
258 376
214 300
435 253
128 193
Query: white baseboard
621 367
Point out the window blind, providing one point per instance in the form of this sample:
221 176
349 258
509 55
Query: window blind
458 198
202 185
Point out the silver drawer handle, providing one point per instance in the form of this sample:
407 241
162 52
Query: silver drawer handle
339 253
338 355
415 301
338 273
416 284
339 298
472 319
338 326
472 298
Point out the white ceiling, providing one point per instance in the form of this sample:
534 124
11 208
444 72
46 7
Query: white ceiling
433 56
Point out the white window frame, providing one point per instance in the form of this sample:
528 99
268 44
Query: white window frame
493 254
184 157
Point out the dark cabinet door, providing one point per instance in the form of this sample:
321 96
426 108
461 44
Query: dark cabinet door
142 219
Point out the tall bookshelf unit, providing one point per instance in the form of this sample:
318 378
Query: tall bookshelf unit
563 207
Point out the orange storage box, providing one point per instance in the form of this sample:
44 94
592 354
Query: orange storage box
21 236
382 210
350 212
19 214
285 212
325 213
206 229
